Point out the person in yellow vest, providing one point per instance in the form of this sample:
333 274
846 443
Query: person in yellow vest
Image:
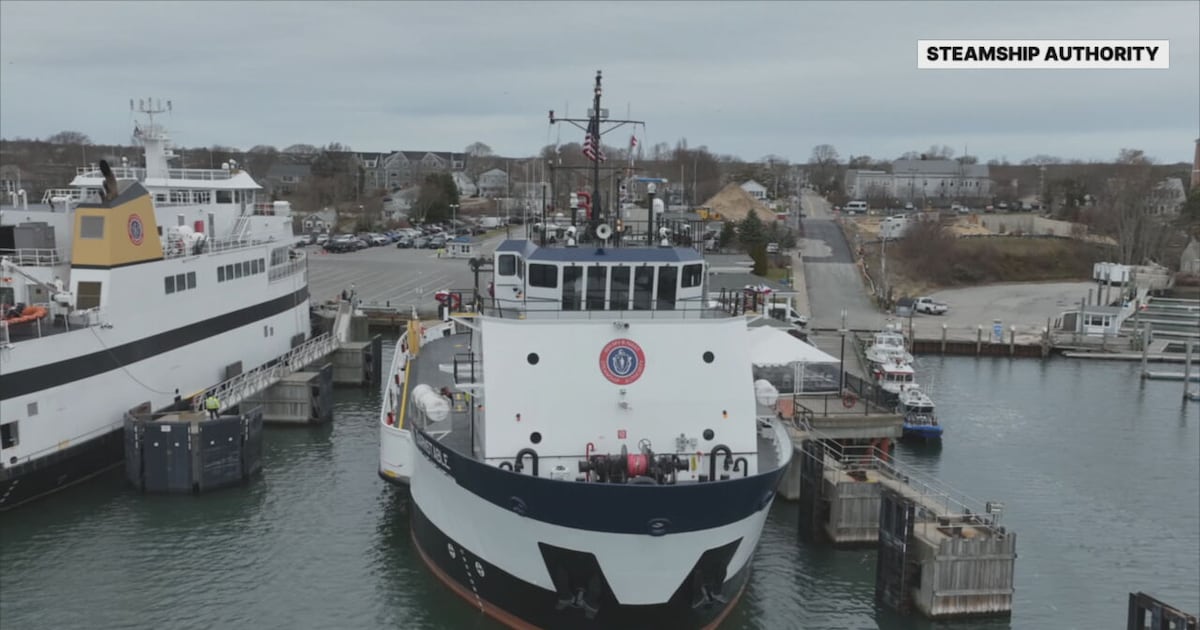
213 405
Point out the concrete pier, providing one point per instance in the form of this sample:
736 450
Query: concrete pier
939 555
304 397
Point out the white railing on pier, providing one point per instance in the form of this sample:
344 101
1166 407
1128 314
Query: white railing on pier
233 391
936 498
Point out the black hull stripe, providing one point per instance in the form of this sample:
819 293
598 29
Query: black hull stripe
35 479
607 507
519 604
81 367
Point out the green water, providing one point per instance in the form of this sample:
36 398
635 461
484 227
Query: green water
1100 476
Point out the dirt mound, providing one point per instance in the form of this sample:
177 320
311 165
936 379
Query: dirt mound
734 203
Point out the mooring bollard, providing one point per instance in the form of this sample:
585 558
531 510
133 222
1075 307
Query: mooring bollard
1012 340
978 338
943 339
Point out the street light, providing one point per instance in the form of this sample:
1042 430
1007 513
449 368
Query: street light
453 213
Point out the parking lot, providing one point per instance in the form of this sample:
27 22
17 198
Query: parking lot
390 276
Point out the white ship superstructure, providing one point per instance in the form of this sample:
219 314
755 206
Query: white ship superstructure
135 287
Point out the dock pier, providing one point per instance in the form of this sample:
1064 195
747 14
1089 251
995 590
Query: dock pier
1149 613
182 450
939 555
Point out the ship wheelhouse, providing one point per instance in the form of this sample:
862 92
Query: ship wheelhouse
534 279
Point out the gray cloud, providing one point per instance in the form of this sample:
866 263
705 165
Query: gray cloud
742 78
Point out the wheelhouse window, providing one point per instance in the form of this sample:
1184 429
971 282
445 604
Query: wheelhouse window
692 275
572 289
507 265
619 292
543 276
667 279
224 196
643 288
597 281
91 227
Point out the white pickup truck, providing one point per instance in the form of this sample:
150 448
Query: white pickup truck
787 313
930 306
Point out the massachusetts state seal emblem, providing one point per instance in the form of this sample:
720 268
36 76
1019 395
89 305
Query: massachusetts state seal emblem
622 361
135 229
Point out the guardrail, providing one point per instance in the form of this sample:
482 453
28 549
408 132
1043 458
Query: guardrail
32 257
231 392
939 498
290 268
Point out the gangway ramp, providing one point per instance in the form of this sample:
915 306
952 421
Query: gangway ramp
233 391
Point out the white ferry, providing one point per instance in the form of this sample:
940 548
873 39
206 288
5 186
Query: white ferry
135 285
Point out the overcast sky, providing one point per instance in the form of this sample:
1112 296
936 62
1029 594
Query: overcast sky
744 79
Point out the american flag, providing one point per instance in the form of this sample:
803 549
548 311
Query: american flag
591 143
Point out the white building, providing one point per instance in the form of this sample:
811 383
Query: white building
1169 196
755 189
493 183
922 181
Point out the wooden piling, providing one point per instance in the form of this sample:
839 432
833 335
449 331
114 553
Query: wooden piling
1012 340
978 340
943 339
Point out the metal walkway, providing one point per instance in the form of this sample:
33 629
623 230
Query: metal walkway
233 391
937 500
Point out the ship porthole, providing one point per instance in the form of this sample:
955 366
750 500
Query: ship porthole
535 437
708 356
478 568
450 548
708 434
532 358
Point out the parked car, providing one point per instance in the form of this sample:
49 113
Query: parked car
437 242
379 239
322 238
930 306
404 242
421 242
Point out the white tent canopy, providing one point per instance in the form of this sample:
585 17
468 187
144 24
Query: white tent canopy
772 347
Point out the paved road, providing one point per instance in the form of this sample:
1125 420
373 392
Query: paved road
1025 306
387 275
832 279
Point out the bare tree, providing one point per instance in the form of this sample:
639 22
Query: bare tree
70 137
478 150
301 149
824 161
1126 205
939 152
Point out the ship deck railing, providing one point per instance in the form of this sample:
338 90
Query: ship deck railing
56 321
174 248
553 308
290 268
139 173
33 257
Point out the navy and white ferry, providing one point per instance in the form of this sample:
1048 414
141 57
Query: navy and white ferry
585 447
135 285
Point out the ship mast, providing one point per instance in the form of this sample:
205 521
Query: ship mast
591 128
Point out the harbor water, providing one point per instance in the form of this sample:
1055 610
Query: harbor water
1099 473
